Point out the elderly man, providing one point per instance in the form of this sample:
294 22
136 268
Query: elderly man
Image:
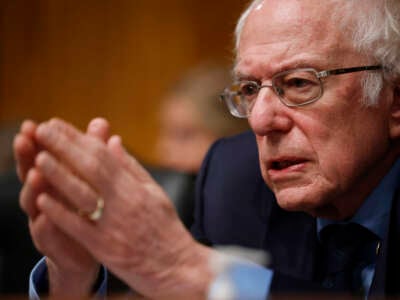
318 81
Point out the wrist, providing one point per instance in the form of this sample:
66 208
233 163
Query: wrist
194 275
64 282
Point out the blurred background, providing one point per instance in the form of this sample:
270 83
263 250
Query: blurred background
125 60
116 59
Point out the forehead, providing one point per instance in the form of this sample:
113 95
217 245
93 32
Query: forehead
294 33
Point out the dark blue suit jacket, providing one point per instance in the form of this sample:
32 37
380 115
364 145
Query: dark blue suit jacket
235 207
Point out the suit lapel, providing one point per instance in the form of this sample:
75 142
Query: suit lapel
291 240
386 280
378 283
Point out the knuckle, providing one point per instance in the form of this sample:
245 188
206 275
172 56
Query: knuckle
98 149
91 165
56 123
95 162
90 203
23 203
54 133
47 165
41 158
88 193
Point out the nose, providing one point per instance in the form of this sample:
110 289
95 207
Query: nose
269 115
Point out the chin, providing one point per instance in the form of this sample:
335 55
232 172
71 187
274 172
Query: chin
299 199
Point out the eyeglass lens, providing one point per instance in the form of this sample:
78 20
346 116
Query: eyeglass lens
294 88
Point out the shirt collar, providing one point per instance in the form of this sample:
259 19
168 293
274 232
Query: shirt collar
374 212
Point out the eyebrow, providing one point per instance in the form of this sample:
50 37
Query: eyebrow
295 64
243 77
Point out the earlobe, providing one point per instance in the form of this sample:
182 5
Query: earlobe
394 123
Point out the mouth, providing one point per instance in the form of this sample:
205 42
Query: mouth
285 163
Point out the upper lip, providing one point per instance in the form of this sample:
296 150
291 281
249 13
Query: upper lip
284 161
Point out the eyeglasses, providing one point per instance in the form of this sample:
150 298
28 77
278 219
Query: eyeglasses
294 88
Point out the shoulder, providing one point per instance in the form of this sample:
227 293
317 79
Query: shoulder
239 151
232 199
245 140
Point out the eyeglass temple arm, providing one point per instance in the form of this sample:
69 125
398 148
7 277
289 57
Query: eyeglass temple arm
348 70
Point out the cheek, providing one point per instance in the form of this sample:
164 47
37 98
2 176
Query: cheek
336 164
341 137
349 144
335 153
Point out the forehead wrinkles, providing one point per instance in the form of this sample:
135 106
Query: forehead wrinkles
293 27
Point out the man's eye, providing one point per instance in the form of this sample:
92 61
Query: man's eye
298 83
249 89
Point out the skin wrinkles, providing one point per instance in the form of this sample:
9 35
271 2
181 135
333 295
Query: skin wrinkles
301 25
323 159
336 135
288 57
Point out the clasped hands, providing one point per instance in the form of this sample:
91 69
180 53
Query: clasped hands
138 236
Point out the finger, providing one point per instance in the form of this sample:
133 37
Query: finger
42 231
28 128
25 148
33 186
114 144
76 227
83 154
57 246
99 128
24 152
71 187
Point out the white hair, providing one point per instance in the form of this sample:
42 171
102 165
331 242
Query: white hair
374 31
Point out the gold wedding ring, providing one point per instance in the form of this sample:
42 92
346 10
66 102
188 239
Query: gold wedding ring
97 213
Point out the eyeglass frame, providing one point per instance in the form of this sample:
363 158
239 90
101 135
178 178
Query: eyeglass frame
227 95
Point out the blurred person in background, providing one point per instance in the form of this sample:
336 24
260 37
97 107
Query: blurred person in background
192 118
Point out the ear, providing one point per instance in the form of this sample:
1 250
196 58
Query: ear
394 123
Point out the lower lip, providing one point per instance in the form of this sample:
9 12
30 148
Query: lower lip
285 173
